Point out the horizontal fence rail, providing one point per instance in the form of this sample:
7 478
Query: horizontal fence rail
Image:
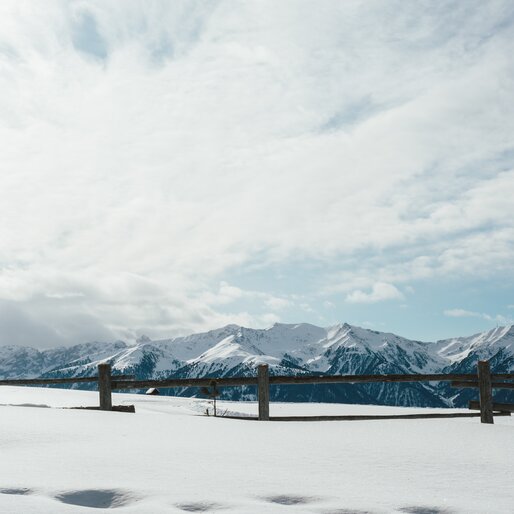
494 385
365 379
127 382
50 381
184 382
299 379
365 417
502 376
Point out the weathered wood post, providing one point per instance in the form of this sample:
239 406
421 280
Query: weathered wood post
263 391
104 386
486 392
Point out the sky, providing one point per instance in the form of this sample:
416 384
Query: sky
173 167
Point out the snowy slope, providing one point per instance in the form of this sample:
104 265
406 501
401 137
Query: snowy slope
26 362
288 349
168 458
482 345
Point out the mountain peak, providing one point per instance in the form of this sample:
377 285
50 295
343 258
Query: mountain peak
231 326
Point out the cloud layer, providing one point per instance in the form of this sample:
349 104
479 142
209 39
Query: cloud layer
151 149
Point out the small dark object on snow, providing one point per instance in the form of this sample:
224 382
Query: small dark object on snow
115 408
153 390
212 393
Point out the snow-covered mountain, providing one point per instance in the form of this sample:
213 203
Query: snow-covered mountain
288 349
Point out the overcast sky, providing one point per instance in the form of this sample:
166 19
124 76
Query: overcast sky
171 167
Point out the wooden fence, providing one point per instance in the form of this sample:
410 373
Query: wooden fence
104 376
263 381
484 381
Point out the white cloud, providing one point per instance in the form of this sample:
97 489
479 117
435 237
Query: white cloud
380 292
150 149
275 303
306 307
227 294
463 313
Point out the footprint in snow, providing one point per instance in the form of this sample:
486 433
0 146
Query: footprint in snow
199 507
15 490
289 499
347 511
424 510
97 498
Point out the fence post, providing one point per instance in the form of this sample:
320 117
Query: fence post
104 386
486 392
263 391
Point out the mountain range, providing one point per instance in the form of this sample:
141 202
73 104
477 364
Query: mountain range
288 349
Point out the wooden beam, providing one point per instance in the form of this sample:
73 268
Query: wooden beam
485 392
357 379
502 385
297 379
263 391
50 381
502 376
371 417
104 386
503 407
115 408
460 380
184 382
127 382
475 384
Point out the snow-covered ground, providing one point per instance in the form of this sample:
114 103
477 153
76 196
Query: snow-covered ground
169 457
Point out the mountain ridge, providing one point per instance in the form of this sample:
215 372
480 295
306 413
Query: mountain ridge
288 349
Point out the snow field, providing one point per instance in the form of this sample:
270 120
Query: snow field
168 457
